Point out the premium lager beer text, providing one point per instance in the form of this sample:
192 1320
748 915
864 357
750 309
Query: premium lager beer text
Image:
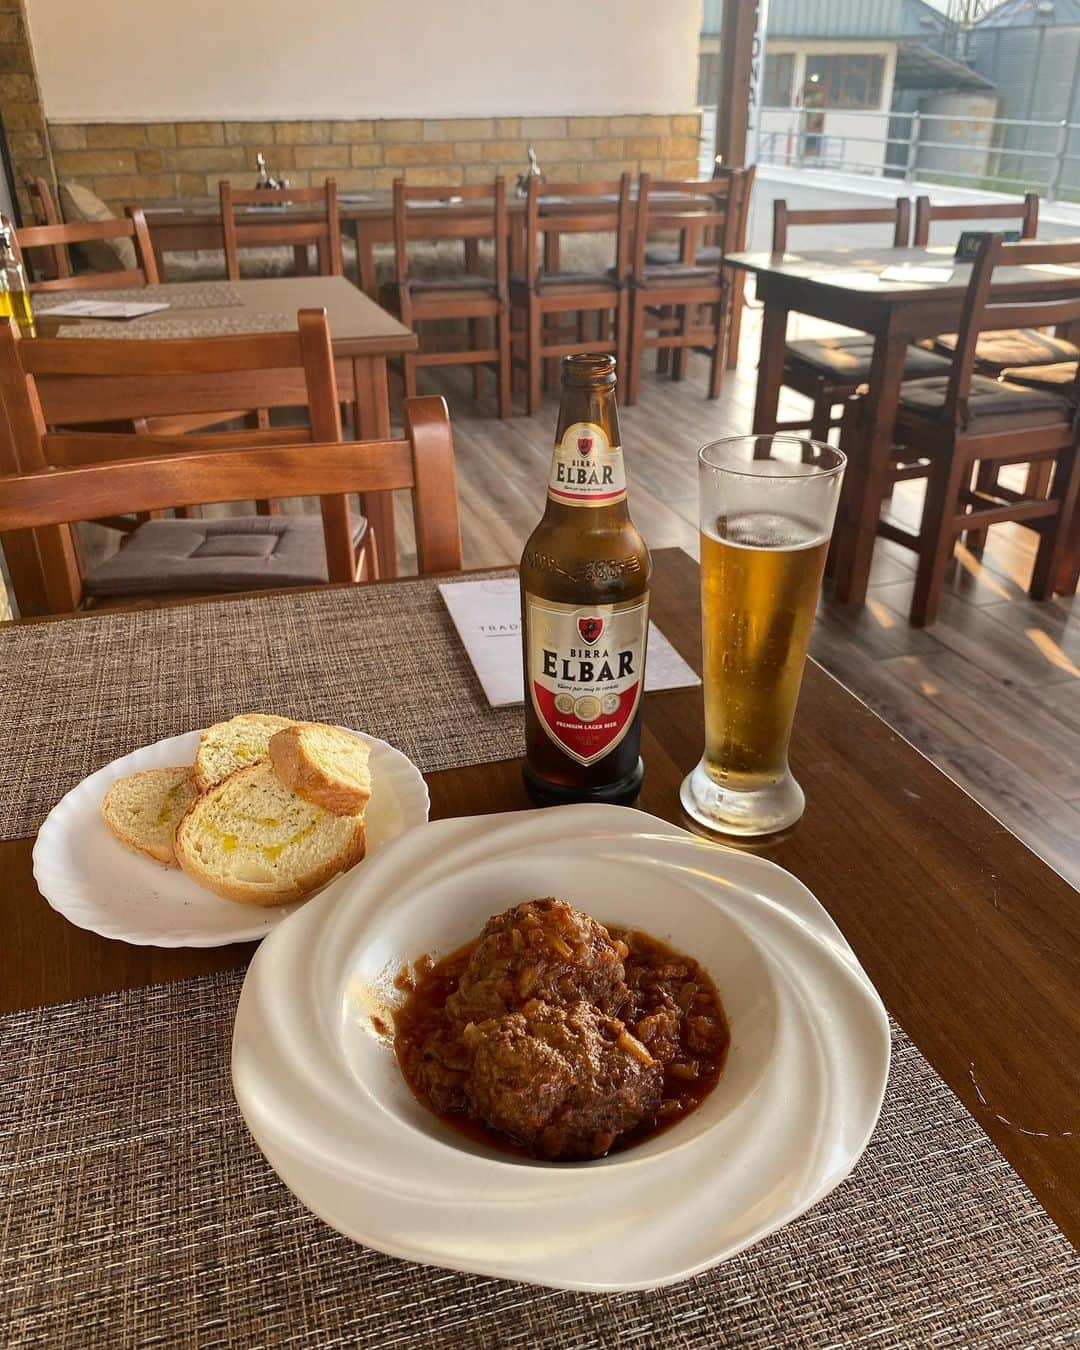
584 607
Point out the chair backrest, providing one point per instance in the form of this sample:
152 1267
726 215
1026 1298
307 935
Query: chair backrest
49 384
470 211
898 216
45 213
422 461
250 230
712 208
57 239
584 209
982 311
1026 211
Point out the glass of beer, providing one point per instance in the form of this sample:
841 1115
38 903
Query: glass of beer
767 509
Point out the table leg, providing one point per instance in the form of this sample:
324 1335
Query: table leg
372 418
365 258
770 368
867 474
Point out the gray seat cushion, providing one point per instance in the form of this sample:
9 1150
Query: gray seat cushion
548 281
232 553
678 271
997 350
1058 378
461 281
991 404
846 360
664 257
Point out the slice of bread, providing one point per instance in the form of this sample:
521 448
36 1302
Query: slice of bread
249 838
323 765
235 744
143 810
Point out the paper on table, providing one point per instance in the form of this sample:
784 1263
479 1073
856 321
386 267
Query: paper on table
103 309
916 273
487 616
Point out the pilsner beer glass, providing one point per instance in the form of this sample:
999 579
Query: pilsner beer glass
767 509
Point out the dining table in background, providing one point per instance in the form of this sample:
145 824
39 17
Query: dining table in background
844 286
363 335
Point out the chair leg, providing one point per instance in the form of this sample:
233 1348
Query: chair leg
986 476
936 535
1055 535
505 373
622 336
408 370
663 354
637 345
533 358
476 338
738 300
821 415
678 354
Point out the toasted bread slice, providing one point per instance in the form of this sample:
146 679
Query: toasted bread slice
235 744
248 838
143 810
323 765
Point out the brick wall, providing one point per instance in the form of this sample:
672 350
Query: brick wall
20 101
149 162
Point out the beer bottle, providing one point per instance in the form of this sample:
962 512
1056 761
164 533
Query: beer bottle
584 607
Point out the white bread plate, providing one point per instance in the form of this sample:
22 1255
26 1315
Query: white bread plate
322 1094
87 875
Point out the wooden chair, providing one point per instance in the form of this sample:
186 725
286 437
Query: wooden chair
422 462
828 370
49 386
58 238
964 420
470 295
44 212
686 304
708 251
545 295
1025 211
252 230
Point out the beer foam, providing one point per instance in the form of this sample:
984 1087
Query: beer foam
764 529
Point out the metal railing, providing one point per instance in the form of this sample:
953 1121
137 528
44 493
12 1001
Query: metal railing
996 153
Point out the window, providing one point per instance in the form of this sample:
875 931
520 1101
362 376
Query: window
838 80
776 87
708 79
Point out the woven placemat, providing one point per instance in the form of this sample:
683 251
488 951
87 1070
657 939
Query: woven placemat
177 294
136 1210
383 659
163 326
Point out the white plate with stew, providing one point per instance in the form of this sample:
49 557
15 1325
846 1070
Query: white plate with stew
318 1083
89 877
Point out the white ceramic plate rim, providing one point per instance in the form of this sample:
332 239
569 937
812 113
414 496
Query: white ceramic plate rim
386 1206
85 903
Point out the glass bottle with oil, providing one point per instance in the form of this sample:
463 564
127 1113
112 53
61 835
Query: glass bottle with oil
14 292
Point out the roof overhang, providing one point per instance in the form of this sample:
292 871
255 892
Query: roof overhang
920 67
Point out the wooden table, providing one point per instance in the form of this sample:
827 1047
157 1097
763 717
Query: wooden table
970 938
842 286
363 337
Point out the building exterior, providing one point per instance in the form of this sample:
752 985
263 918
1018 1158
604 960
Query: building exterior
837 70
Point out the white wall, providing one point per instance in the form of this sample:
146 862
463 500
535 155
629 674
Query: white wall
137 60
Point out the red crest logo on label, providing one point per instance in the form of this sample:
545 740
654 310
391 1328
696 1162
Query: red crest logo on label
590 629
585 445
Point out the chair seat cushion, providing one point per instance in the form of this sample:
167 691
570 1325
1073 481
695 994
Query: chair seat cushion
678 271
995 351
659 256
454 282
547 281
232 553
846 360
1058 378
991 404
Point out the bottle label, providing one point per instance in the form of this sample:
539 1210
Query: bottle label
585 668
586 470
